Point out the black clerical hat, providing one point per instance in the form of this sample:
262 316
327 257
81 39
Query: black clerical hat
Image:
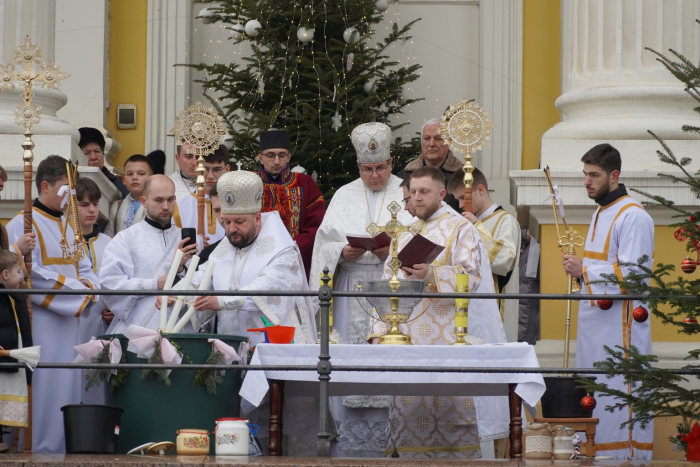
157 158
274 139
91 135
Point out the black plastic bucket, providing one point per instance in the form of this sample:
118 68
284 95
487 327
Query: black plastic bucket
562 399
91 429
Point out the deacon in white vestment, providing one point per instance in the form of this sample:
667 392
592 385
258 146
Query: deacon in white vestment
139 258
129 211
354 207
184 176
621 231
55 318
258 254
446 426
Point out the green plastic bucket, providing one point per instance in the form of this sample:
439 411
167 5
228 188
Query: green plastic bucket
154 412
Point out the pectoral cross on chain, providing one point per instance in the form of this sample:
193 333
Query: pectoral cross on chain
393 229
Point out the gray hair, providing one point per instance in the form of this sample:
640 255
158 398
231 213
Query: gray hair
431 122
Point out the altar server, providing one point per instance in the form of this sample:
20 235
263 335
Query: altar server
55 317
186 213
354 207
498 228
446 426
293 195
140 257
621 231
258 254
184 176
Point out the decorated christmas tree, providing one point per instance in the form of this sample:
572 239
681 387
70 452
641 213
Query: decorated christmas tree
657 392
315 69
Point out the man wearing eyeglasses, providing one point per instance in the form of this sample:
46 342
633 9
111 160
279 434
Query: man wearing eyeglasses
435 153
293 195
185 214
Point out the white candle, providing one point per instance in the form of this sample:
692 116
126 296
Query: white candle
191 269
168 285
202 286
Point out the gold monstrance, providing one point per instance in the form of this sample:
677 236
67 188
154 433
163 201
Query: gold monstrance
201 129
49 75
465 128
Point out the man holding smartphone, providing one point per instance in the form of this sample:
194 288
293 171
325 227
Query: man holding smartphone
139 258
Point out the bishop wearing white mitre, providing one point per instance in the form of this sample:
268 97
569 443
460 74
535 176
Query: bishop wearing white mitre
55 324
446 426
258 254
354 207
139 258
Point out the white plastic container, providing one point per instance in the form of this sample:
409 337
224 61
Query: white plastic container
231 437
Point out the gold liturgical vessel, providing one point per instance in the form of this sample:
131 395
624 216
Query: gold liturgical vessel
461 310
388 309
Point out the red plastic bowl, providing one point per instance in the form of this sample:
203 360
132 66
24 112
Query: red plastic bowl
277 334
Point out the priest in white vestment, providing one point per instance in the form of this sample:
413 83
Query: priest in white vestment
55 318
621 231
184 176
446 426
354 207
258 254
139 258
129 211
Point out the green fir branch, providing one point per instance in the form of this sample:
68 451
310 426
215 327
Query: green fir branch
210 378
156 358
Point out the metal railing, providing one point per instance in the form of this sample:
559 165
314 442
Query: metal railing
324 366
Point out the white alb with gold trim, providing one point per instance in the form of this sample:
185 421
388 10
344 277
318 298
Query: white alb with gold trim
449 426
55 325
620 232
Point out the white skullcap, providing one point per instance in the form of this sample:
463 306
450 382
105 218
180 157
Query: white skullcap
240 192
372 142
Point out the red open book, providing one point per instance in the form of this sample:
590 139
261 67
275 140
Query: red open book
419 250
369 243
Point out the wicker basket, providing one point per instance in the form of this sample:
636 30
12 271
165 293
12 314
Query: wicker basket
537 441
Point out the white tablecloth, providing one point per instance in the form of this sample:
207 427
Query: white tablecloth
513 355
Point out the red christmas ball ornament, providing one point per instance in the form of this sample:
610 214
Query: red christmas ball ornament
605 304
690 320
588 402
640 314
688 265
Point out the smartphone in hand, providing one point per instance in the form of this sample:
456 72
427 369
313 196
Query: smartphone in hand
191 234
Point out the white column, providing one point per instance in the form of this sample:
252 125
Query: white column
166 85
616 90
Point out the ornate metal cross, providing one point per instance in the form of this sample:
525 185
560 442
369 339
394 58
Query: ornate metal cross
393 229
570 240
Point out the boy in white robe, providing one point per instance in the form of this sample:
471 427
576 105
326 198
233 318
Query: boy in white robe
94 322
442 427
55 319
186 214
139 258
128 211
621 231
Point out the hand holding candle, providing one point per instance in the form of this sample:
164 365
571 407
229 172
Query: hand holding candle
202 286
180 300
168 285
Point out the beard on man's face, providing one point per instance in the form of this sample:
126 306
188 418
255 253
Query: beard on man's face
240 239
599 193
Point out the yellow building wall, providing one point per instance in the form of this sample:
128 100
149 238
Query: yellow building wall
127 73
553 280
541 74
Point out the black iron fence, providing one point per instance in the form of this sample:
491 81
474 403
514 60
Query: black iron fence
324 367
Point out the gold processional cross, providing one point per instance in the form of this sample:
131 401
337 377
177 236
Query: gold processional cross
570 241
49 75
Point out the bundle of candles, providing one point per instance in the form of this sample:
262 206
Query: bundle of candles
173 324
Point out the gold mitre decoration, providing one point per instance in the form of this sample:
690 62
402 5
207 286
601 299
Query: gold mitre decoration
200 127
466 127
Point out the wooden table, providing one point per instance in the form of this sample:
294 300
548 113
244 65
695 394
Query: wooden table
519 387
585 425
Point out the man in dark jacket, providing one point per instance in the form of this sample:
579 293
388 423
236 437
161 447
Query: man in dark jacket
435 153
92 143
